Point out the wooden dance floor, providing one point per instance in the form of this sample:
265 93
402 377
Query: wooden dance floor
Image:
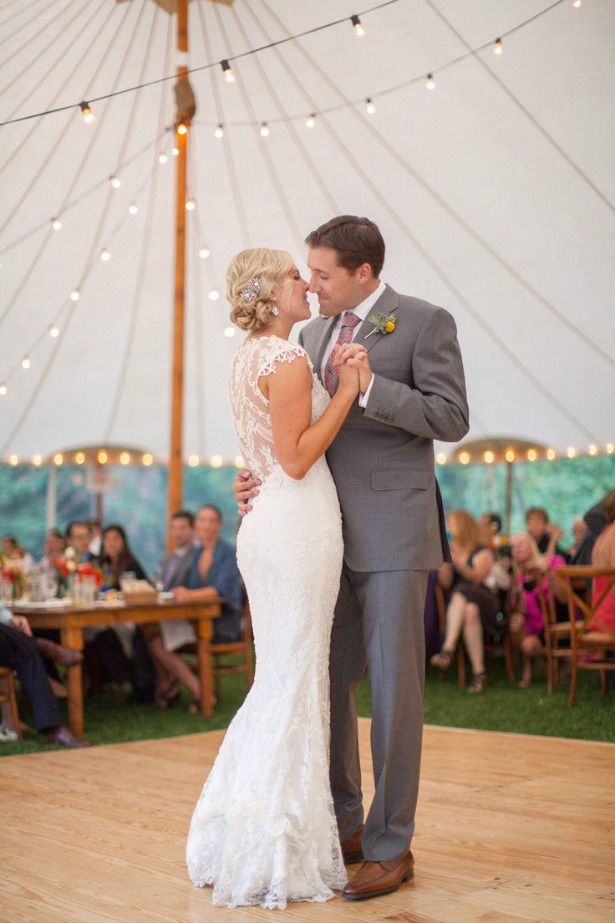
510 829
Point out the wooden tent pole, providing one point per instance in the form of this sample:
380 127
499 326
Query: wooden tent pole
175 488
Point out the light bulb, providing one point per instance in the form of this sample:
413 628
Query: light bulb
37 460
193 460
147 459
190 204
105 255
229 76
264 130
56 224
115 181
162 157
593 450
14 460
358 28
216 461
53 330
430 83
489 457
531 455
550 454
239 461
229 332
498 47
75 295
464 458
571 451
219 131
58 459
175 151
441 458
80 458
369 106
25 362
3 388
133 208
182 128
576 3
311 120
124 458
203 253
86 112
214 294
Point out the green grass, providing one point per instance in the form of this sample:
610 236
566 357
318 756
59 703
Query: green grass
112 718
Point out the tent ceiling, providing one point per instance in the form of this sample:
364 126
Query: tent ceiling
494 193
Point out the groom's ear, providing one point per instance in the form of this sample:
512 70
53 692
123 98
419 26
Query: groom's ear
364 273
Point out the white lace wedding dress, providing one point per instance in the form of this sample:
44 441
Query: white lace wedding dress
264 829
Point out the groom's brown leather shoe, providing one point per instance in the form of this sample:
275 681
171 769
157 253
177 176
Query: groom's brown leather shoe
376 878
352 848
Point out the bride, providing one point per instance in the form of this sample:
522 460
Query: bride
264 829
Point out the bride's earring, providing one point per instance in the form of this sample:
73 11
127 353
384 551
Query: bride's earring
275 310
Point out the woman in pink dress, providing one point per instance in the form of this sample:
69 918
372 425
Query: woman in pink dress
603 555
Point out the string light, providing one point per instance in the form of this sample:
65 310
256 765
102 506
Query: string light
147 459
441 458
229 76
216 461
464 458
86 112
182 128
3 388
124 458
102 457
58 459
105 255
133 208
369 106
593 450
489 457
264 129
498 47
214 294
162 157
531 455
576 3
219 131
229 332
430 83
551 454
75 295
190 204
25 362
509 455
56 224
80 458
14 460
37 461
609 448
115 181
53 330
193 460
204 253
358 28
571 451
311 120
239 461
175 151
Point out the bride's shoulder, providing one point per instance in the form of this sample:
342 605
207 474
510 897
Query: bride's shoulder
272 350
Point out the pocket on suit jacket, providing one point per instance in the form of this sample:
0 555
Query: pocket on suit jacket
400 479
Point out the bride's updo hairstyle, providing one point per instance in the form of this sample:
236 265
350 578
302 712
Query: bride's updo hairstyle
250 278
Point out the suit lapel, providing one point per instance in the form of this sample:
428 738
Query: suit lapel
321 341
387 304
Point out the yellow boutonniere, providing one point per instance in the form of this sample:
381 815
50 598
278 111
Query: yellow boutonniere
383 323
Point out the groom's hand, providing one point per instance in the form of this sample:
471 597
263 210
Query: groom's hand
356 354
245 488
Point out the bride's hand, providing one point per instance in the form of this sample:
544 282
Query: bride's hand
355 354
244 488
349 378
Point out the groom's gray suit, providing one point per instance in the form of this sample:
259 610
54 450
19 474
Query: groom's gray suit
382 462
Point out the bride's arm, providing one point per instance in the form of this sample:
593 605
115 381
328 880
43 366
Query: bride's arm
297 443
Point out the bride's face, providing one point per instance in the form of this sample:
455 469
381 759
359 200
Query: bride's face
293 299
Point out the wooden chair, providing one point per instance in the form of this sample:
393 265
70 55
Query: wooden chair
7 694
241 649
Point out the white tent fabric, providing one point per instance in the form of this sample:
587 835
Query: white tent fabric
494 192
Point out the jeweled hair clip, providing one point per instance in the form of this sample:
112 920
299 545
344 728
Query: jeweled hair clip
252 289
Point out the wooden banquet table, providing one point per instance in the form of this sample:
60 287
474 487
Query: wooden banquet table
72 620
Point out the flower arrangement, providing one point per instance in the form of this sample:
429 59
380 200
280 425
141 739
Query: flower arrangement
13 571
68 565
383 323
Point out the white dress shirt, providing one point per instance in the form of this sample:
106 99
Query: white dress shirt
361 311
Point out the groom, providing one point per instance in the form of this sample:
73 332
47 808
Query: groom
382 462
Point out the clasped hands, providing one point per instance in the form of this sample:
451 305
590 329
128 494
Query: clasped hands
353 366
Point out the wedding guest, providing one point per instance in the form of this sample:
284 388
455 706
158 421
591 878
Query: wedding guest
53 549
545 533
117 557
18 651
78 538
526 624
473 607
15 552
213 572
603 555
595 520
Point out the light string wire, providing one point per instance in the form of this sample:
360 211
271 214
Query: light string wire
438 270
138 291
472 232
24 142
263 147
228 148
515 99
89 149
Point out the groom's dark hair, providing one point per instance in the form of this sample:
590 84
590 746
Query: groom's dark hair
356 241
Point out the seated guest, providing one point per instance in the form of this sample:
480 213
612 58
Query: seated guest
19 652
106 649
603 555
595 521
13 551
473 606
578 528
526 623
53 549
213 572
78 538
546 534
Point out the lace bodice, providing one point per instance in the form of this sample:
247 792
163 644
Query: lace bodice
254 358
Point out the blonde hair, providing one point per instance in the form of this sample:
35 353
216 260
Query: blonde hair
466 527
258 271
537 560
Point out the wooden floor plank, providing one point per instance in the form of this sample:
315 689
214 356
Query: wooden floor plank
510 829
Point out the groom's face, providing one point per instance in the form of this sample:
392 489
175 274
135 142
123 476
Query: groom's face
337 288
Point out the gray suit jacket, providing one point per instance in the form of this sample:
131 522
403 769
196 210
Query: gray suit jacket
382 459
